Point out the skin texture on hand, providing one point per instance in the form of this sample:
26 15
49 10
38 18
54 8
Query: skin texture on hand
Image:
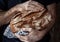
52 9
6 17
2 13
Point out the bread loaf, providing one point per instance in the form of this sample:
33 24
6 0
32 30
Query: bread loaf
32 15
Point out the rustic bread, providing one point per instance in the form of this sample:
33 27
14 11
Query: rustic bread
33 15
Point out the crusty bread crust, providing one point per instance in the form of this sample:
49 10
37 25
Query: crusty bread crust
33 15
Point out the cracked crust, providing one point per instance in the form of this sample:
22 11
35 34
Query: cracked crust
31 15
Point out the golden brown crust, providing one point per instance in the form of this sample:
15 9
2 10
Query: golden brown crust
33 14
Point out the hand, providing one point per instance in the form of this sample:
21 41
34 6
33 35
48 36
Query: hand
9 14
6 17
52 9
2 16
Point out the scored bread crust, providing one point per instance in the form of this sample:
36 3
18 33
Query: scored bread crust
31 15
